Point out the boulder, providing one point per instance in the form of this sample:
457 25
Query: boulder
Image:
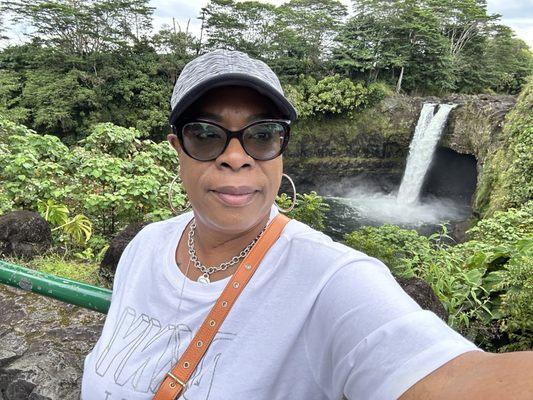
109 263
475 125
43 346
24 234
423 294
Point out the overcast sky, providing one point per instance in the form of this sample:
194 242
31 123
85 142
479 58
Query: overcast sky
518 14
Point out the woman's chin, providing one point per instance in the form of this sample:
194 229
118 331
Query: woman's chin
233 214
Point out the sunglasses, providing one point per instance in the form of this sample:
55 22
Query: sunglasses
205 140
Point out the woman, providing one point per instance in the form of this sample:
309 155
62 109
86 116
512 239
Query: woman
317 319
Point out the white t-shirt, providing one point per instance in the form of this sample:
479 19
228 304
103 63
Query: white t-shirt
317 319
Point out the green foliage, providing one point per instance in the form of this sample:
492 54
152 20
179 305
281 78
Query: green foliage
94 61
509 61
81 271
505 227
55 214
84 26
431 47
56 99
482 282
112 140
6 204
517 301
32 166
400 249
399 36
111 177
129 179
332 95
78 229
10 89
506 176
53 91
295 37
310 209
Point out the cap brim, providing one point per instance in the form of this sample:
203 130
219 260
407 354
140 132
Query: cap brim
232 79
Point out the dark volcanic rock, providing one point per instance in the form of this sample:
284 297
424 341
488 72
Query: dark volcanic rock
475 125
109 263
43 343
374 144
422 293
24 234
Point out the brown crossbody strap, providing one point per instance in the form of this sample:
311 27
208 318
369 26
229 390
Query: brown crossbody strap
175 380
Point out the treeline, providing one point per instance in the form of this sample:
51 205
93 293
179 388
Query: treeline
91 61
423 46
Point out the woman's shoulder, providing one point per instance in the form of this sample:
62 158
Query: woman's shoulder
329 267
163 228
312 244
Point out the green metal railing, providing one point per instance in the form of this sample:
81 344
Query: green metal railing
66 290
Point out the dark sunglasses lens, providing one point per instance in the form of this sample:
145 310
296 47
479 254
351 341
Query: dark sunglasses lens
203 141
264 141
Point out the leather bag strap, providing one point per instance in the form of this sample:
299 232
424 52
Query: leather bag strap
175 380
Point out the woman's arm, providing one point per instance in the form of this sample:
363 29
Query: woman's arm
478 376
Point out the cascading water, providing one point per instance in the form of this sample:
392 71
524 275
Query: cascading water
427 134
366 204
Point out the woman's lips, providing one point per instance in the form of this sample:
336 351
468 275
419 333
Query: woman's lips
235 196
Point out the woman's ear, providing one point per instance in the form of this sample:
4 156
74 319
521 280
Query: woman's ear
174 142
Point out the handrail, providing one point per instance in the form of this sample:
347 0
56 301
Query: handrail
69 291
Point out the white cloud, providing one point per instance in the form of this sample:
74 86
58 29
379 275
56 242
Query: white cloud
522 27
183 11
511 9
518 15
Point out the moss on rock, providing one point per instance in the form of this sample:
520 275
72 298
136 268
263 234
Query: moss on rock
505 180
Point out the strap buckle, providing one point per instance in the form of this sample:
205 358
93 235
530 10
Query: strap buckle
176 380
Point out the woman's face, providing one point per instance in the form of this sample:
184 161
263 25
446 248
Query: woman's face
234 192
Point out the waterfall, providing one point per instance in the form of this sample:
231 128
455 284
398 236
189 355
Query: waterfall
427 134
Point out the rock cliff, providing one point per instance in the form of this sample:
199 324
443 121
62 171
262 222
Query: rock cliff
375 143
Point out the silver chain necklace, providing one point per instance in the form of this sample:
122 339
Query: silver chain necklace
207 271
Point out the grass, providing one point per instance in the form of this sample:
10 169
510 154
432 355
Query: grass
82 271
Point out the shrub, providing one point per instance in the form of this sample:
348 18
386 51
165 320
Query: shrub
112 176
484 284
400 249
505 227
310 209
517 301
333 95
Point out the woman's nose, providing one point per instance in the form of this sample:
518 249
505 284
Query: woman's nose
234 156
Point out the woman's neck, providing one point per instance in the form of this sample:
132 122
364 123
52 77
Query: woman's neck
214 247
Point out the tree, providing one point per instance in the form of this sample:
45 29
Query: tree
294 38
84 26
508 59
244 26
305 32
461 21
400 37
466 25
175 49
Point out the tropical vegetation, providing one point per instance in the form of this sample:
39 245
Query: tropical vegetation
84 108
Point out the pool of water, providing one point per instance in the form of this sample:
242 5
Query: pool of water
361 207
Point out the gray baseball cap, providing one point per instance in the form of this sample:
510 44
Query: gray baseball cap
223 68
